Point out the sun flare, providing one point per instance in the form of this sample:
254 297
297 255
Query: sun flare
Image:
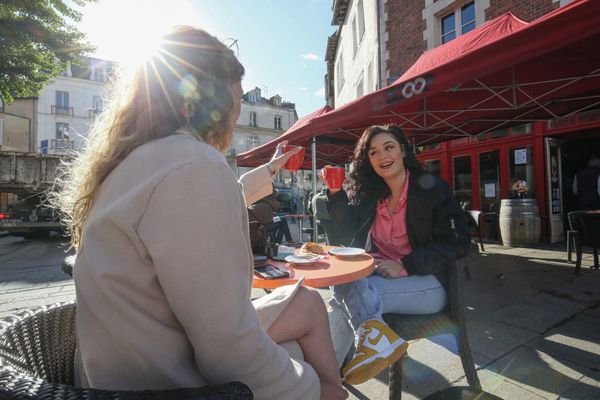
129 31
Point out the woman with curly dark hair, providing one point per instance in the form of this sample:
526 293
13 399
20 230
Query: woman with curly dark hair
414 228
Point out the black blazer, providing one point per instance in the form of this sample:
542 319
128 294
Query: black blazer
436 225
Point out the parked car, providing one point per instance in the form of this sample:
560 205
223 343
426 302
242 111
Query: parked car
30 217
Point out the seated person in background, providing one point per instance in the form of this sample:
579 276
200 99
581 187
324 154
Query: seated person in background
586 185
164 269
414 228
275 227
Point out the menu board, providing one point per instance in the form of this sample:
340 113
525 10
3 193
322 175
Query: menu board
554 181
520 156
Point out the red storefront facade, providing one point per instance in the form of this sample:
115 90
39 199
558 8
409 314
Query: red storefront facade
537 160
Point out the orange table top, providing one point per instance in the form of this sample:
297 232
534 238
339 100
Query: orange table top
329 271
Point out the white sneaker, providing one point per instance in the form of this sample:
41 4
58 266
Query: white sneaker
377 348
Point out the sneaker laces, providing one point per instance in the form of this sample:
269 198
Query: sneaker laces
363 331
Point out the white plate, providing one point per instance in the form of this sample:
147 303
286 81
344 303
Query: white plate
300 260
346 251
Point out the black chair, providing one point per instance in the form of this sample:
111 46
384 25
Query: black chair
450 320
311 231
37 355
585 231
473 218
571 233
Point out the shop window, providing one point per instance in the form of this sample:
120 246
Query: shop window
463 185
252 121
369 86
252 142
96 105
61 104
482 136
499 133
361 20
62 131
521 173
433 167
354 37
360 87
489 181
520 129
458 22
340 72
427 147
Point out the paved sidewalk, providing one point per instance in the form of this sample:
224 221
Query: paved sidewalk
533 325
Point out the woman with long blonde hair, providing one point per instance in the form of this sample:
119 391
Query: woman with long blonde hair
164 267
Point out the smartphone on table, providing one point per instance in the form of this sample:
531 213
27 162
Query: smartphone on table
270 272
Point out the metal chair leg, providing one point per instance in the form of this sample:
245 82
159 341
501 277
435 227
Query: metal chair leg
395 376
467 361
480 241
570 239
578 252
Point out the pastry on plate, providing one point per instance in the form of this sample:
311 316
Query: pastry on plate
311 247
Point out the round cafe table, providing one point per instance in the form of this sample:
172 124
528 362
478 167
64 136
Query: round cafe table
330 271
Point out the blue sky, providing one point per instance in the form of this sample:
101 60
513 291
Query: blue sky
281 42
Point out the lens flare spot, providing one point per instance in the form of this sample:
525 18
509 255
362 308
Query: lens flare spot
215 115
188 88
208 89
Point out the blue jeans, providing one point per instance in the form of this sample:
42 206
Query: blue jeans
369 298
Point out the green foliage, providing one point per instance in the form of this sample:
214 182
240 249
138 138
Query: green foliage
37 38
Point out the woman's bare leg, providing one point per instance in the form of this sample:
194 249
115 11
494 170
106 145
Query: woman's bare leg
305 320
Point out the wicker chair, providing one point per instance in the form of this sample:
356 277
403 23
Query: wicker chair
37 351
450 320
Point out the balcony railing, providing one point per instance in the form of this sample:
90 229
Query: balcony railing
93 112
62 144
62 110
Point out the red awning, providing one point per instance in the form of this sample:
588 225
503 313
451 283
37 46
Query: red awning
504 73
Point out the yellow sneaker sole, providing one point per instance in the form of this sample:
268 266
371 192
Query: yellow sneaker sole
374 368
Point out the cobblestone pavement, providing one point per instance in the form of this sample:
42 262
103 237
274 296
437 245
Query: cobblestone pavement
30 274
532 324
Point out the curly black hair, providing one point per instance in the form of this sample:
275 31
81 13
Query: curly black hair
363 182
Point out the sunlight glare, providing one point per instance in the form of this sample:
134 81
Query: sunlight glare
129 31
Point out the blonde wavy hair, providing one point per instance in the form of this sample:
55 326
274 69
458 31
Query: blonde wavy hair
186 83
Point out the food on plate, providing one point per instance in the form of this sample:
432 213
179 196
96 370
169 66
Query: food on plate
311 247
307 256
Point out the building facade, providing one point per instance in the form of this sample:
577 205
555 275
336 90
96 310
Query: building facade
68 105
352 53
18 125
261 120
536 160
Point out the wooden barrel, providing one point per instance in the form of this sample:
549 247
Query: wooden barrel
519 222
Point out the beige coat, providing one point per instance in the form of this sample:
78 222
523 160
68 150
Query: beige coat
163 279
